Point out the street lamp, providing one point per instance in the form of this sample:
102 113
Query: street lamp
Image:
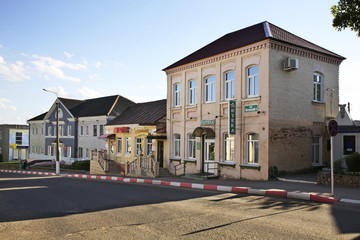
57 132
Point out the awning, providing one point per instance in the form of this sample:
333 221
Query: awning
199 131
105 136
156 137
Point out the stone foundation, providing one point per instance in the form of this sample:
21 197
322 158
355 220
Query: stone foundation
340 180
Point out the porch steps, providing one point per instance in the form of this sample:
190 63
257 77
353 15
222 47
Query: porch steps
164 172
96 169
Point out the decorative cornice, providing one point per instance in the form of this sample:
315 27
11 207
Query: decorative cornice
270 43
219 57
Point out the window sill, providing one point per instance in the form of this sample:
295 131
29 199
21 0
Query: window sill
227 164
190 161
175 160
252 98
191 106
176 108
317 102
250 166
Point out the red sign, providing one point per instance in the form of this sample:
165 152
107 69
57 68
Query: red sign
121 130
333 128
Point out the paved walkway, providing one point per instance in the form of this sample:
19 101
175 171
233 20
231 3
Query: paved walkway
298 186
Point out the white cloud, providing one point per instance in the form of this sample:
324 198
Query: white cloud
13 72
4 104
87 93
69 55
1 46
98 64
119 64
52 67
59 90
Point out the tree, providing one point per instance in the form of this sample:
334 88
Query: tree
347 15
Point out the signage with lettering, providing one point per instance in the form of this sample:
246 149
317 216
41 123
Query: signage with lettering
121 130
251 108
207 122
232 117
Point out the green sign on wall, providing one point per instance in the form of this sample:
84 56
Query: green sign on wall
232 117
251 108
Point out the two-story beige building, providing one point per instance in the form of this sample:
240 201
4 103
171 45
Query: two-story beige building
251 100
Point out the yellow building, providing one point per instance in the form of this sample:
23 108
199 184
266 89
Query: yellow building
138 133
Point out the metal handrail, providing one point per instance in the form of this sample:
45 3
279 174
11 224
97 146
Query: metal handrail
179 165
213 168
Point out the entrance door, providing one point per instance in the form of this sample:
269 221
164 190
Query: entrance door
160 153
209 156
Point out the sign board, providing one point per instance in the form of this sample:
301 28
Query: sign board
251 108
232 117
207 122
121 130
333 128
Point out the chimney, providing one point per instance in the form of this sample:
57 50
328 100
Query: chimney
342 110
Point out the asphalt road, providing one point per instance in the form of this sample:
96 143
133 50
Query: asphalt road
47 207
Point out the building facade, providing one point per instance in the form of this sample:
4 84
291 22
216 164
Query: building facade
14 142
80 124
139 130
251 100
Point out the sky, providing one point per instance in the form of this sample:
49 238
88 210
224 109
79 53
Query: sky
84 49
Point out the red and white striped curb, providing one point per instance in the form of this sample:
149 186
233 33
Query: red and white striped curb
270 192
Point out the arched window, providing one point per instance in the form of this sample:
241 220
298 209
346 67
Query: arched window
177 139
252 81
318 94
252 143
191 146
229 85
192 92
209 93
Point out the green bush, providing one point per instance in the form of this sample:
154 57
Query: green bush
337 166
79 165
1 157
353 162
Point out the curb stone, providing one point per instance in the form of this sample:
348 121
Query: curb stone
246 190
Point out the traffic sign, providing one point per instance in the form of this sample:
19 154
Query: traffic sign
333 128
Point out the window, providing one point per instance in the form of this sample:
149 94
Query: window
87 153
253 148
192 92
177 95
50 151
42 149
33 149
316 150
318 88
177 145
81 130
95 130
128 145
229 85
349 145
69 152
209 89
49 131
61 130
69 130
19 138
101 130
253 81
228 147
138 146
0 150
42 131
0 135
191 146
36 131
119 145
148 147
87 130
80 154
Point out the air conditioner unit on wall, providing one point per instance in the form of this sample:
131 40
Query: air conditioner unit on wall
291 64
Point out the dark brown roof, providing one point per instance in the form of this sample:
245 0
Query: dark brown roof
148 113
39 117
97 106
249 35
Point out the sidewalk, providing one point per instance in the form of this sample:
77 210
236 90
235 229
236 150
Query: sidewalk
290 187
